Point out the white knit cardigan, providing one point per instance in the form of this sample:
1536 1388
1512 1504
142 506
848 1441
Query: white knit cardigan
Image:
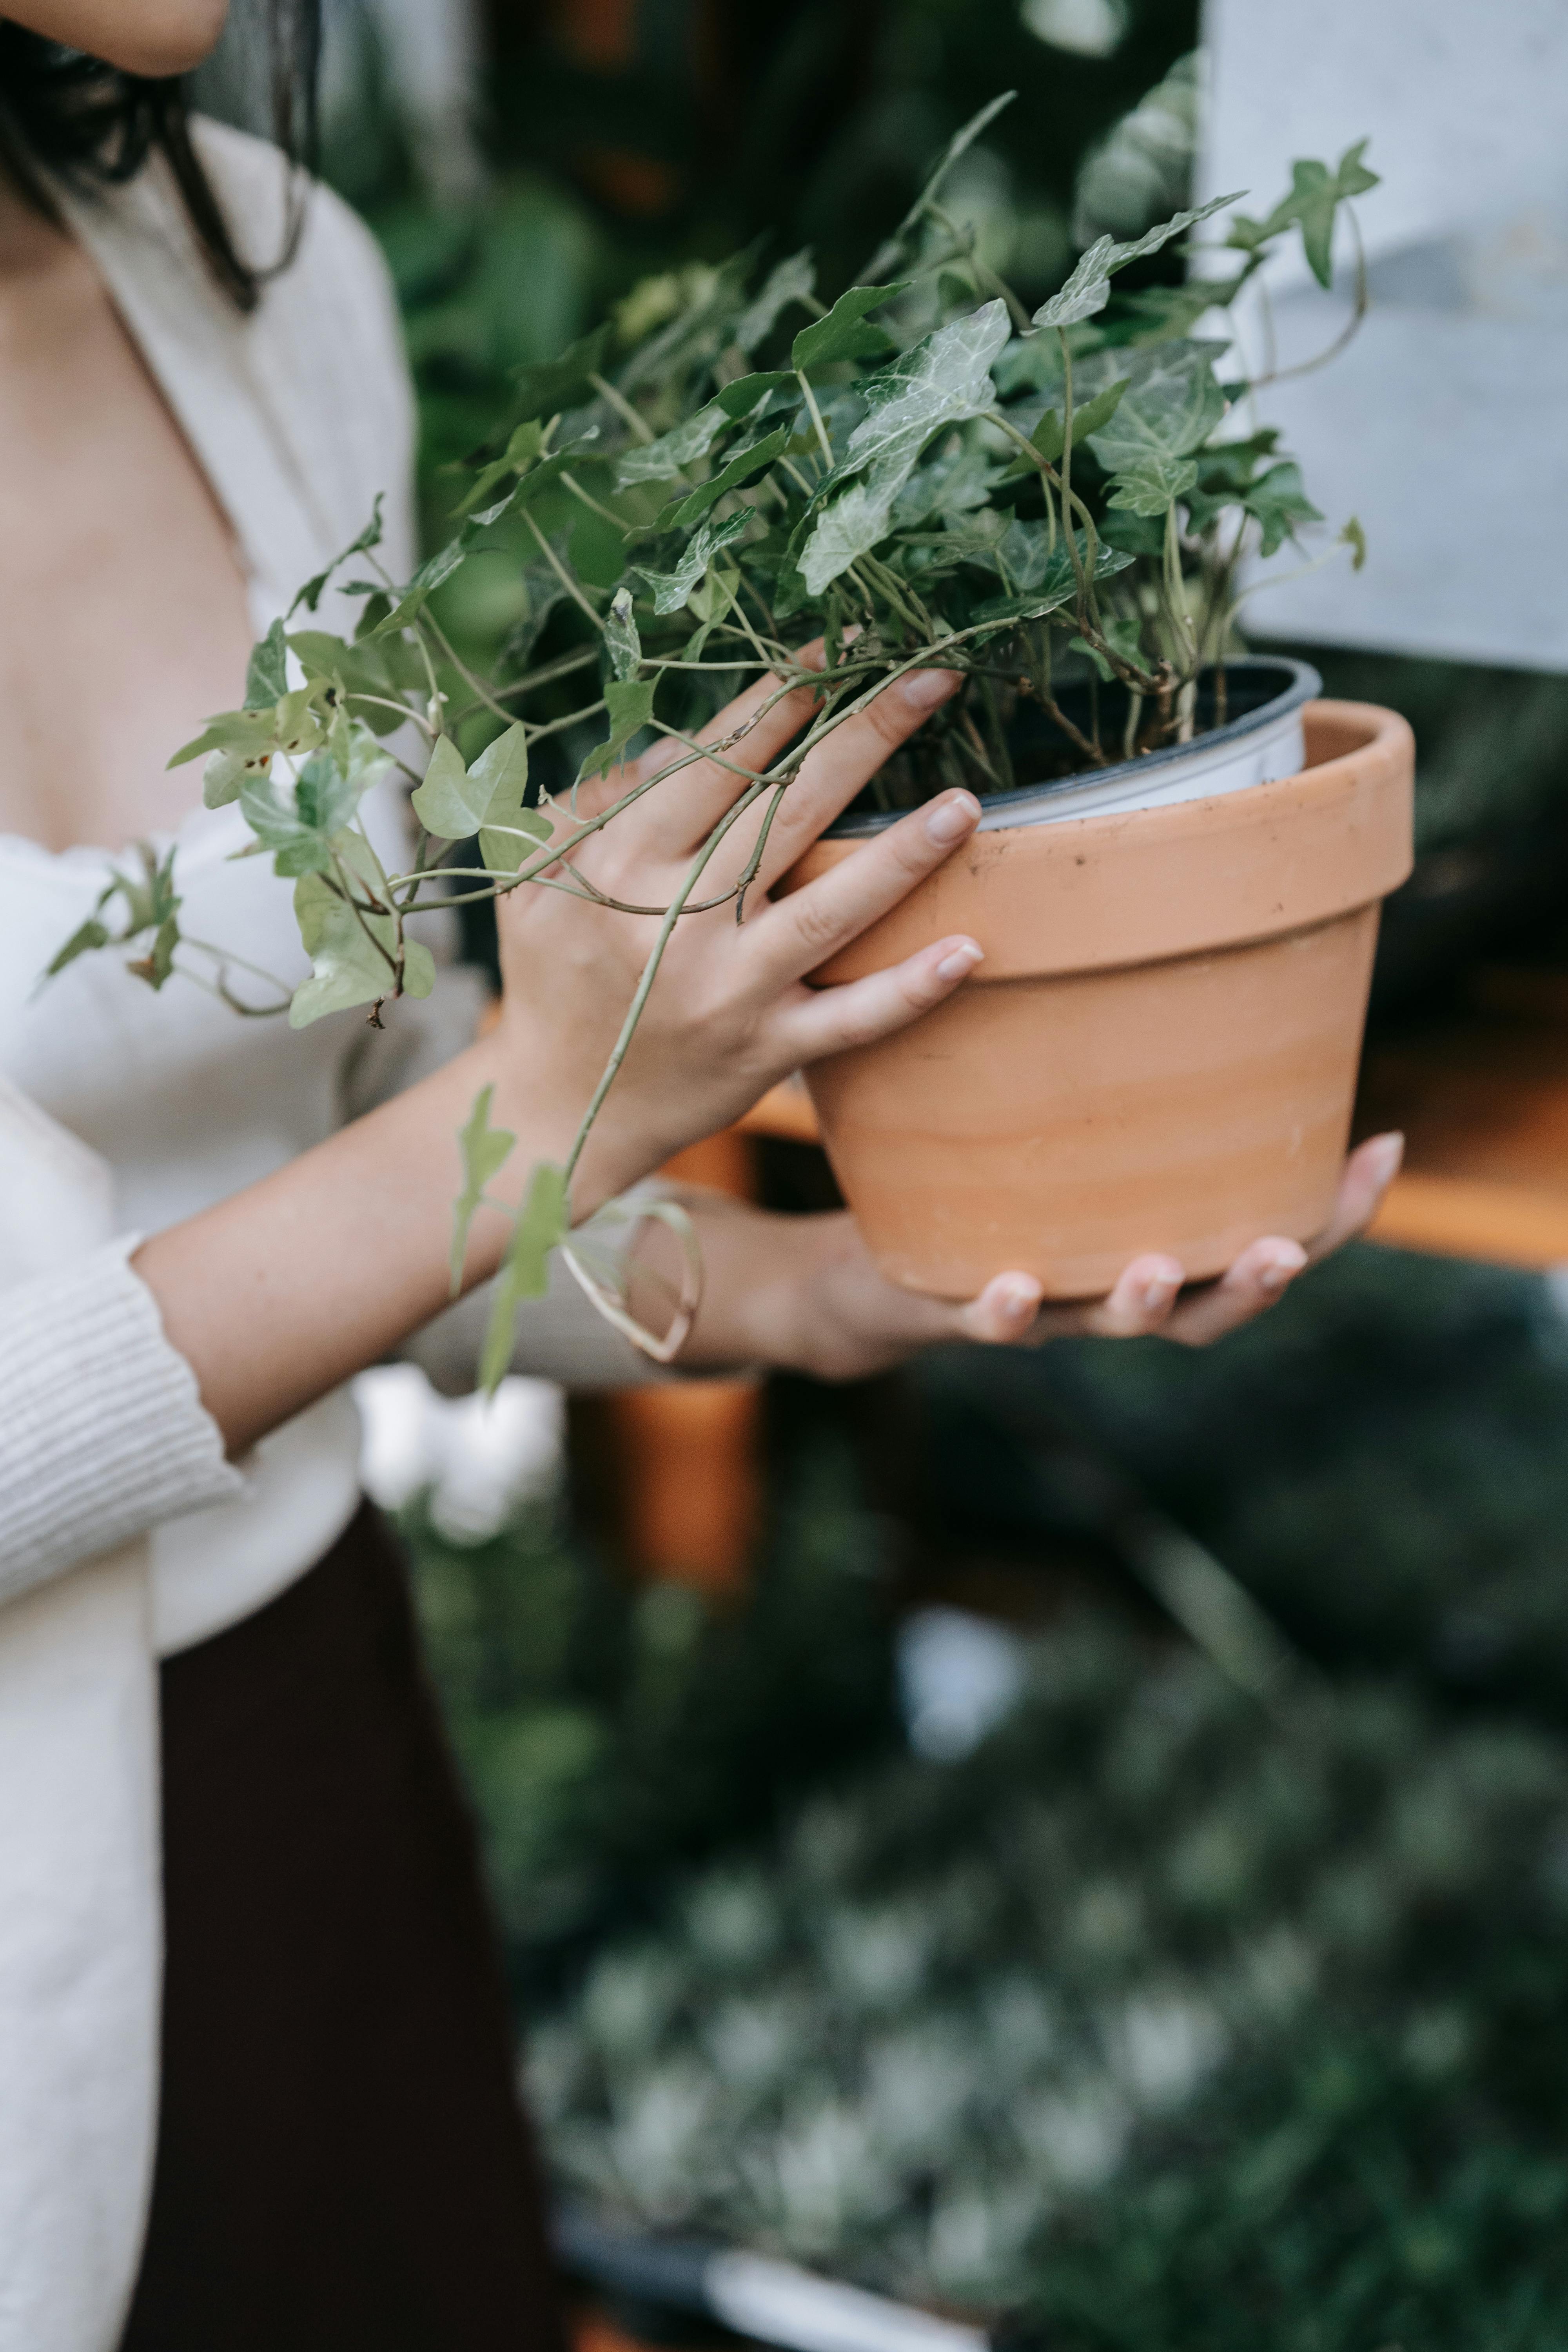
299 414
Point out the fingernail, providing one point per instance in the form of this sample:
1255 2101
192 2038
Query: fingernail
951 818
961 959
1158 1293
1282 1269
922 687
1020 1299
1385 1154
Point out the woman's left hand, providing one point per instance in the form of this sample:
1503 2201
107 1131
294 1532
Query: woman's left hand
802 1294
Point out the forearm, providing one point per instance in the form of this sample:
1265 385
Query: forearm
279 1294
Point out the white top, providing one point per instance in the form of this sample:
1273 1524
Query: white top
122 1112
299 430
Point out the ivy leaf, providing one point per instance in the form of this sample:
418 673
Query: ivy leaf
447 803
1088 287
621 642
311 593
656 461
251 733
543 1224
1049 436
630 706
524 449
529 483
363 668
500 773
486 1151
943 380
430 575
753 459
1170 407
551 385
1124 634
959 145
1278 502
1057 584
671 589
351 954
1312 204
267 676
1354 536
791 280
82 941
1153 481
298 826
158 963
845 333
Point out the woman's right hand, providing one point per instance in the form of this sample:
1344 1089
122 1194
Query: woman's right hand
730 1012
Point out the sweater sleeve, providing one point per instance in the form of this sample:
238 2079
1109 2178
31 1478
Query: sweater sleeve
102 1430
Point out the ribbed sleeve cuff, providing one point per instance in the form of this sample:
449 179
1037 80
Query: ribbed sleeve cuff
102 1430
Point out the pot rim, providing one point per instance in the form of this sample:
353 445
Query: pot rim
997 808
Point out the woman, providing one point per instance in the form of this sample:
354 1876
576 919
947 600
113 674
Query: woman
199 1250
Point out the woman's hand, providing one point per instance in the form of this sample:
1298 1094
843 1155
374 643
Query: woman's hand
801 1294
729 1012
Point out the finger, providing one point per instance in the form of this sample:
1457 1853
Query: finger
1005 1314
1368 1173
1258 1280
1140 1303
793 936
751 733
831 1020
844 762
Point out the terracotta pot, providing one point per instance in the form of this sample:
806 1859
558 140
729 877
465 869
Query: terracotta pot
1160 1049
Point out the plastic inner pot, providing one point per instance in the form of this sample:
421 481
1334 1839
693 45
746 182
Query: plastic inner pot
1261 739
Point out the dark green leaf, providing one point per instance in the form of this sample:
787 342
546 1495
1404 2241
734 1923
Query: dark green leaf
1278 501
1312 203
671 588
1049 436
553 385
791 280
741 468
630 707
959 145
524 449
843 334
438 568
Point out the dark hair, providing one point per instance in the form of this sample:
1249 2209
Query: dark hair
70 114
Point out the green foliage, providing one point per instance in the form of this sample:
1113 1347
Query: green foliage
931 480
486 1151
1151 2019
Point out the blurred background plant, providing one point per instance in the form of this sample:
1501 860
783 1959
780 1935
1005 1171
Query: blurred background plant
1154 2014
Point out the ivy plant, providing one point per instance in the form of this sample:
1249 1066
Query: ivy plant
921 474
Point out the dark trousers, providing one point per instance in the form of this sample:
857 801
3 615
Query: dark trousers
341 2161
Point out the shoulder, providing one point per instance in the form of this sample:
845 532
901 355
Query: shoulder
327 329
